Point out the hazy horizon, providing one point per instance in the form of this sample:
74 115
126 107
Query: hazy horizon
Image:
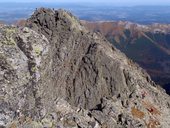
138 13
116 3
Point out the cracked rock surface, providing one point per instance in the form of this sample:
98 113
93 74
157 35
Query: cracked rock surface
56 74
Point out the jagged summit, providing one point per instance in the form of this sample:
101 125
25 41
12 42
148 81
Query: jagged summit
47 18
55 73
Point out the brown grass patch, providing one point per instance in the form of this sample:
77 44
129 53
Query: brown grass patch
137 113
153 124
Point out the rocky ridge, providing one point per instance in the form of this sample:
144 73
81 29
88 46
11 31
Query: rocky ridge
147 45
55 73
103 26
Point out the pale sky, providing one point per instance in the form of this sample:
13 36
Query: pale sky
117 2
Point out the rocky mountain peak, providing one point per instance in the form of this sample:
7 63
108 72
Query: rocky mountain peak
49 19
55 73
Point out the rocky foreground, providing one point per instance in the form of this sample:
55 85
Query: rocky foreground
56 74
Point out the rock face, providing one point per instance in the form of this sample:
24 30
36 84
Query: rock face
148 45
55 73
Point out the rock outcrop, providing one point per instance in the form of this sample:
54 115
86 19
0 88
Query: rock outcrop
147 45
55 73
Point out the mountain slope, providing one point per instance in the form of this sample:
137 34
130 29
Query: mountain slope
147 45
61 75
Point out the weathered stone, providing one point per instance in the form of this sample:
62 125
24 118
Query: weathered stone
60 75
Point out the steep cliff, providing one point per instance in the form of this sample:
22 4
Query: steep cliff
55 73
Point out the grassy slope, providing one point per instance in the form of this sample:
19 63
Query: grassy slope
146 51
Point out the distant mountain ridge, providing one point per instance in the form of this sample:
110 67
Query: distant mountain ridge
148 45
11 12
